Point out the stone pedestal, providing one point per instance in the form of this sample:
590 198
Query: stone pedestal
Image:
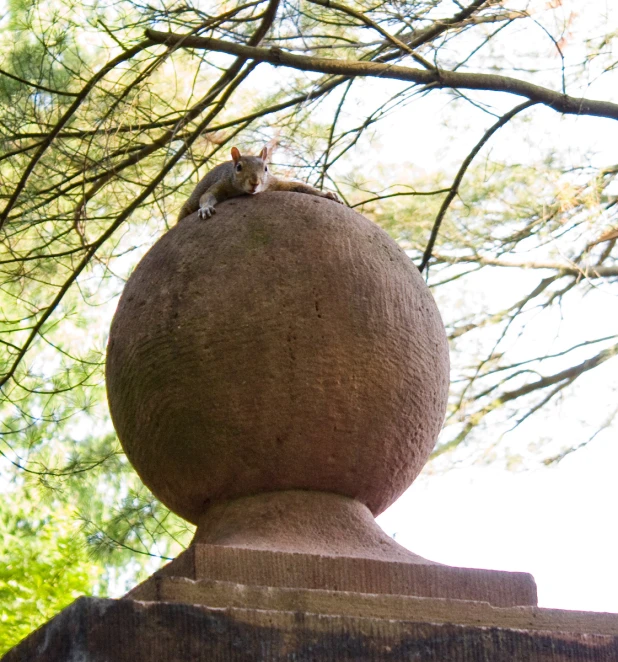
314 540
340 573
219 622
278 376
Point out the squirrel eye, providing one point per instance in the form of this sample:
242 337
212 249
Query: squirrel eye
238 167
265 168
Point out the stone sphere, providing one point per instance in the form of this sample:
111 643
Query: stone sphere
285 343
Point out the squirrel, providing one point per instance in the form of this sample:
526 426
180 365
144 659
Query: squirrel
241 175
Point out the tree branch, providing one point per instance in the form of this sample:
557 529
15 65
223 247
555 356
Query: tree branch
420 37
147 191
564 377
36 86
461 172
585 271
437 78
362 16
123 57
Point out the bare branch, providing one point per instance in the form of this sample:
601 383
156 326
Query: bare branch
37 86
437 78
564 377
420 37
462 171
582 270
362 16
123 57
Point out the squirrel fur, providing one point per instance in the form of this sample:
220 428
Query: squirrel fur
243 175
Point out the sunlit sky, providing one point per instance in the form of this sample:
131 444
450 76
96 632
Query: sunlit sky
559 523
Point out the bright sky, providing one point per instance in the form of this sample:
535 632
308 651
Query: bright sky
558 523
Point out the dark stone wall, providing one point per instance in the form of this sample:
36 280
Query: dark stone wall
101 630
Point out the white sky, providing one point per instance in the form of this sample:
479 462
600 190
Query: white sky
558 523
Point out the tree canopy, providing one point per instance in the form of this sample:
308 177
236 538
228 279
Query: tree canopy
110 112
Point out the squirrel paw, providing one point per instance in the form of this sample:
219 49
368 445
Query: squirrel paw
206 212
333 196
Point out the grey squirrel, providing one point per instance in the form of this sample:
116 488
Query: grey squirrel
242 175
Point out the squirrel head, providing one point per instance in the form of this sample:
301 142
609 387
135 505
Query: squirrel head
250 172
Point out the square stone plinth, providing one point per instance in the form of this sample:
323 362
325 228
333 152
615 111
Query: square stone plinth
401 629
340 573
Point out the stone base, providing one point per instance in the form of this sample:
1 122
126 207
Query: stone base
254 567
365 628
300 521
227 595
224 604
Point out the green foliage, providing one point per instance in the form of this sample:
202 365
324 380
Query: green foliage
45 563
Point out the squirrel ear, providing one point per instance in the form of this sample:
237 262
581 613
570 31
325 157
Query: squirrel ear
264 153
235 154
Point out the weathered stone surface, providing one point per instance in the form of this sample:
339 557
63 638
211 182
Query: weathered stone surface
217 594
98 630
303 521
286 343
338 573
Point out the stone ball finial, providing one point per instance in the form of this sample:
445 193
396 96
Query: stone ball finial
285 344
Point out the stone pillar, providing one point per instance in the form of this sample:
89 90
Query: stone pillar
278 376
